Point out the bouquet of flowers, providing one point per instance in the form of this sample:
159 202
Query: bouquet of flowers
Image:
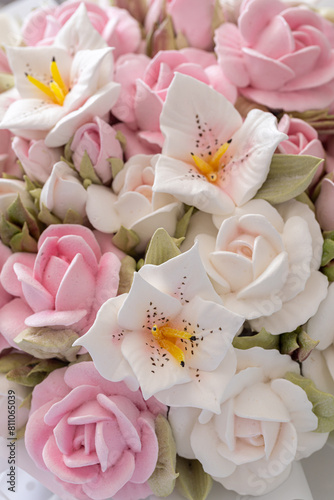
167 244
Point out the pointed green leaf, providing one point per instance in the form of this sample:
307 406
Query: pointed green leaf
36 195
7 230
262 339
116 165
7 81
329 272
72 217
31 185
193 483
68 163
161 248
126 240
20 432
323 403
183 223
289 343
47 366
327 252
128 268
163 479
45 343
288 177
23 242
47 217
18 214
68 151
306 346
140 264
121 138
87 170
303 198
23 376
14 360
26 403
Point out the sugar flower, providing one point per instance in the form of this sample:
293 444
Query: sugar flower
61 86
169 335
210 158
264 263
265 423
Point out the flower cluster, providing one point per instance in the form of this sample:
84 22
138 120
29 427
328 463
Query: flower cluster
167 243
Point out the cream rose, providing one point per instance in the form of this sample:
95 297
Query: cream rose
266 423
264 264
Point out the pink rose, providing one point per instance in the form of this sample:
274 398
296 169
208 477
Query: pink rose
36 158
191 18
118 28
303 140
144 86
5 297
8 163
98 140
64 284
324 205
97 437
279 56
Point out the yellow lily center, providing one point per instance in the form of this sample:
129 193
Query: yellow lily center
211 166
167 337
56 90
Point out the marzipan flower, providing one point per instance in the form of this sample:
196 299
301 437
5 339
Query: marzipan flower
210 158
265 423
61 86
264 263
169 335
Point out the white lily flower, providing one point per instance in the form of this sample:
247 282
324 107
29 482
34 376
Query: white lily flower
170 335
210 158
61 86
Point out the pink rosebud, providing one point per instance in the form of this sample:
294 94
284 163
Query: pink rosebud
64 284
98 140
8 163
279 56
97 437
303 140
324 205
36 158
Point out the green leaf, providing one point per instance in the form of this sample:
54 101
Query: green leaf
47 217
161 248
7 81
116 165
327 252
23 242
121 138
298 344
23 376
162 481
14 360
68 151
193 483
289 343
126 240
262 339
323 403
140 264
87 170
304 198
45 343
72 217
128 268
288 177
26 403
7 230
19 215
329 272
183 223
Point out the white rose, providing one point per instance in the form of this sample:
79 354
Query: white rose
264 264
266 423
63 191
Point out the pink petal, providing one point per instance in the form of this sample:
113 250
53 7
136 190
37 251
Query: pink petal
12 319
35 294
130 490
255 17
87 413
77 288
230 58
79 458
54 273
36 435
47 248
107 279
266 73
73 400
325 205
321 75
303 61
64 434
52 389
147 107
69 246
109 443
146 459
55 318
8 276
277 29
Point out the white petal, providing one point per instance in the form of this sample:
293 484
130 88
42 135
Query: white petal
200 223
321 370
309 443
251 152
187 98
320 326
182 421
235 269
132 206
183 277
78 33
272 363
298 310
146 305
183 181
102 215
259 402
206 246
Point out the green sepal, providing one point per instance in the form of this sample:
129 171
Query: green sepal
68 151
128 268
329 272
87 170
36 195
7 81
14 360
121 139
161 248
323 403
19 215
80 358
68 163
45 343
20 432
183 223
30 376
288 177
140 264
327 251
47 217
31 185
23 242
162 481
7 230
26 403
298 344
162 37
86 183
72 217
304 198
262 339
320 119
116 165
193 483
126 240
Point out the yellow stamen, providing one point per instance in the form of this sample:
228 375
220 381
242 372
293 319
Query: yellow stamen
57 76
41 86
58 93
167 336
211 166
